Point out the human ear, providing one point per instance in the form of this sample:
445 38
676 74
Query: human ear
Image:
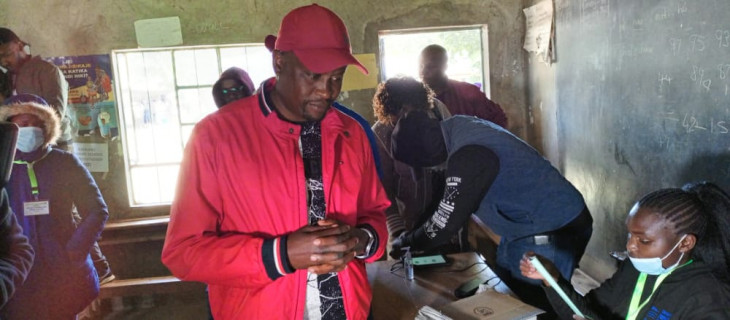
278 61
688 243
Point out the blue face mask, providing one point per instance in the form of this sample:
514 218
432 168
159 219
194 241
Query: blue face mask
29 139
653 266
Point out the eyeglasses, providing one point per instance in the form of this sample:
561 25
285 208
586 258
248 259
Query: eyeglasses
232 90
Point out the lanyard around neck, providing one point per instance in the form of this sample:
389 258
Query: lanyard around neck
31 175
634 306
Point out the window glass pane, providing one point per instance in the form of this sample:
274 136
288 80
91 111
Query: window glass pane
207 104
185 72
260 64
168 180
187 130
145 185
401 53
165 134
155 109
158 72
161 99
206 63
233 57
154 184
125 99
195 104
140 114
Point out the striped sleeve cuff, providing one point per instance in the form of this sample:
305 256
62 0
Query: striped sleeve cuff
275 258
370 250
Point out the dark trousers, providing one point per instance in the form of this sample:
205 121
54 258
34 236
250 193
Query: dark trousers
564 247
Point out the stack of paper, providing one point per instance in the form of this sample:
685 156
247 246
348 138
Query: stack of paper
428 313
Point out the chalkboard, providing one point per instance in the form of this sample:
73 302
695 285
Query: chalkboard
643 101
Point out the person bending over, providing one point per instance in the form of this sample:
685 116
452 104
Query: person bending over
502 180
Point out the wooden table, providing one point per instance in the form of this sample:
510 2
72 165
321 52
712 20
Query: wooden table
394 297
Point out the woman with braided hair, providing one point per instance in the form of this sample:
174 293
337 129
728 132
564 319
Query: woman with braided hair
679 260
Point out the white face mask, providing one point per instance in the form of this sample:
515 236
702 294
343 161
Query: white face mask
29 139
653 266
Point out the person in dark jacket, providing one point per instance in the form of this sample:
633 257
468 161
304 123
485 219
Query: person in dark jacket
500 179
44 186
103 269
16 255
679 258
233 84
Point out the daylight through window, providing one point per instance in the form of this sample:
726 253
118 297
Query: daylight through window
163 93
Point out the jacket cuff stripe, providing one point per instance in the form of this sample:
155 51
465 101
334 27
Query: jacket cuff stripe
284 257
270 257
277 257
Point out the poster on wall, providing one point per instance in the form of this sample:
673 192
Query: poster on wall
539 30
91 95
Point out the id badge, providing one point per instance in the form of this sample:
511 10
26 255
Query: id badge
36 208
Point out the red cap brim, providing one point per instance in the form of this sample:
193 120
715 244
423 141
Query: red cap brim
326 60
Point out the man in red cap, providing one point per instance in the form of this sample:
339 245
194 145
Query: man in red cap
278 204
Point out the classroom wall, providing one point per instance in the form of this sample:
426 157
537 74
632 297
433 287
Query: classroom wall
636 100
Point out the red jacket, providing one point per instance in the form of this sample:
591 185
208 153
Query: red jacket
466 98
242 184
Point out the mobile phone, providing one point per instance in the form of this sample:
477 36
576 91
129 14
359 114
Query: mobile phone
430 261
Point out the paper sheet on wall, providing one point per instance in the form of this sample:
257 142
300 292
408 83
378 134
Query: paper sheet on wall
94 156
539 27
355 80
159 32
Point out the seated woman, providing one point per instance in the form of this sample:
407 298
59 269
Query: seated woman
45 184
679 255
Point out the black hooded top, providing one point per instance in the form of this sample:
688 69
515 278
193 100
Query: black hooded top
690 292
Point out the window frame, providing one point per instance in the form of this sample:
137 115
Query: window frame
126 113
484 32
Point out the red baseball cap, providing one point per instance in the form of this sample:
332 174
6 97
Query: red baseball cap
317 36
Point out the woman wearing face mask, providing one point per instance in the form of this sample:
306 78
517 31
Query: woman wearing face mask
44 186
679 257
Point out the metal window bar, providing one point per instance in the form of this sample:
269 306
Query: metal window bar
128 112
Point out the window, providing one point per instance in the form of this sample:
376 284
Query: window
162 93
467 47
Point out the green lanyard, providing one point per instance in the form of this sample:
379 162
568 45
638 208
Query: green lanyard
634 306
31 175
